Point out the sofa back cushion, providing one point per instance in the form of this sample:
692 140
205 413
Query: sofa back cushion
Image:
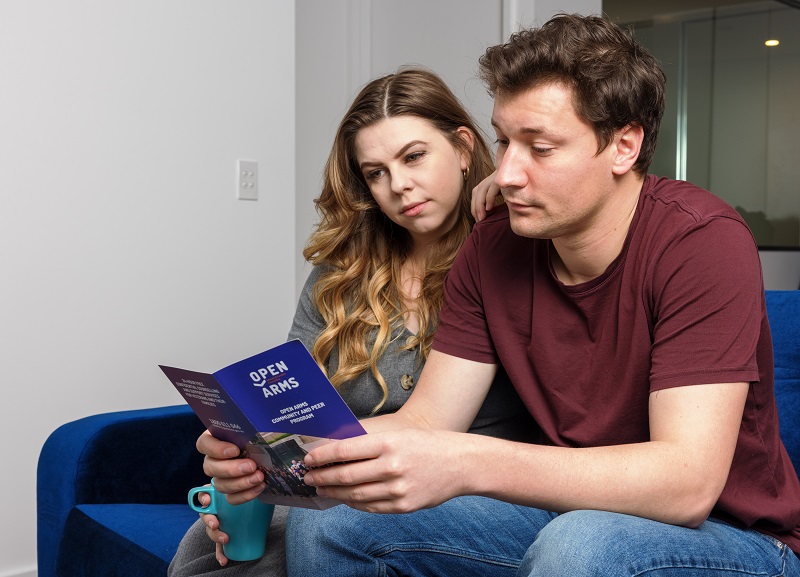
783 309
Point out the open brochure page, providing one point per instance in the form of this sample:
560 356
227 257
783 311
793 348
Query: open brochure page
276 406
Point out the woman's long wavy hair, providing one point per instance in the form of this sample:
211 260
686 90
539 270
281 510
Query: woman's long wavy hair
358 295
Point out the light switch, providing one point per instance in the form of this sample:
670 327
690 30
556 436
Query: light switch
247 180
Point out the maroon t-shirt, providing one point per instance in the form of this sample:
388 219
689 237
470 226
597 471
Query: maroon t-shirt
683 304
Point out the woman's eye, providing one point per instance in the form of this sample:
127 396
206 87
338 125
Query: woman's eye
539 150
373 174
414 156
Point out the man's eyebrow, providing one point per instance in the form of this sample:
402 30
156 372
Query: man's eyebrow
524 129
400 153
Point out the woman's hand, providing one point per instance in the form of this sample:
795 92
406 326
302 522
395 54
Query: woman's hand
484 197
212 529
238 478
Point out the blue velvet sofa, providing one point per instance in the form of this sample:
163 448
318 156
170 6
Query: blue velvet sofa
112 487
111 492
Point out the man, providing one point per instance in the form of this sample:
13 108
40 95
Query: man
629 313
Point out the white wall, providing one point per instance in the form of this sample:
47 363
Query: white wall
326 80
122 244
781 269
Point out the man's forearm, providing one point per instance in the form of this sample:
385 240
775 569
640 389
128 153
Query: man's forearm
647 480
676 477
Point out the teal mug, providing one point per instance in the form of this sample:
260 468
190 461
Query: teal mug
245 524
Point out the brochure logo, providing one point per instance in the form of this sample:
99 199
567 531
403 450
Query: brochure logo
271 379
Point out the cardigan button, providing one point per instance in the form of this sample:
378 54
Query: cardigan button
406 381
410 341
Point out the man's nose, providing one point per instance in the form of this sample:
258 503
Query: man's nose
510 169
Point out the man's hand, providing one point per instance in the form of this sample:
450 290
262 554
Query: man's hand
411 459
391 472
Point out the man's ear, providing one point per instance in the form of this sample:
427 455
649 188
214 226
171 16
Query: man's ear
627 145
468 137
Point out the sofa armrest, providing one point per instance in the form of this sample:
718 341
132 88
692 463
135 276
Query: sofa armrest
138 456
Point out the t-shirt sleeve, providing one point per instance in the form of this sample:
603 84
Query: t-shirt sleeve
707 302
463 331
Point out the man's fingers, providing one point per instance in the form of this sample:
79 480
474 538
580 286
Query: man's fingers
343 475
353 449
347 463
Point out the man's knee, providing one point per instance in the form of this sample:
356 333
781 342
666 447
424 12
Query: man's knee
581 544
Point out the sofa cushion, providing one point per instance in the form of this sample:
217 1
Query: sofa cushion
122 540
783 308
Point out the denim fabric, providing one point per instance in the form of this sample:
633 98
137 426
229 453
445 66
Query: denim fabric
464 537
479 537
584 543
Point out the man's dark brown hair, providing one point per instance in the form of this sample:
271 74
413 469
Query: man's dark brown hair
615 81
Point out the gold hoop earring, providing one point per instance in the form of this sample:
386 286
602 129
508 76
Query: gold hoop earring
465 173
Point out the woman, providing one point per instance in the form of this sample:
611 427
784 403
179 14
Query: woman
394 211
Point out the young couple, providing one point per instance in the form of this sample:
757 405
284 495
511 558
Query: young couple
628 311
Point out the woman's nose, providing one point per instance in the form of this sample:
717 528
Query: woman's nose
401 181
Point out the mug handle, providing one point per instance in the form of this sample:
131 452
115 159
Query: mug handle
212 505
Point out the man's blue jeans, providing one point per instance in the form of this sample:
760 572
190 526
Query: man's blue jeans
480 537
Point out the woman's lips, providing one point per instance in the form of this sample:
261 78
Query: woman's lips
414 209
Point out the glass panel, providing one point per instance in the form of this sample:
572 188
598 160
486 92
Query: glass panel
732 123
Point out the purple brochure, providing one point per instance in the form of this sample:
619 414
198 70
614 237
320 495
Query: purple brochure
276 406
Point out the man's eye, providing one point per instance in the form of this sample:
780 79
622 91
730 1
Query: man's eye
501 142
